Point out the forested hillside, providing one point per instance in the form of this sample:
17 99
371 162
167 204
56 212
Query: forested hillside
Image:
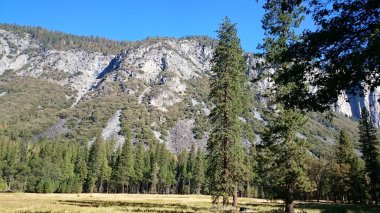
87 114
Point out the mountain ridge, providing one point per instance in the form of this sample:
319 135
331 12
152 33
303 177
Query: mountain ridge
159 86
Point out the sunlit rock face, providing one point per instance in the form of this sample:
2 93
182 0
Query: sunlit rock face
352 105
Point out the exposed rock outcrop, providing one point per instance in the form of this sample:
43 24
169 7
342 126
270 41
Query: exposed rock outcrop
112 130
181 137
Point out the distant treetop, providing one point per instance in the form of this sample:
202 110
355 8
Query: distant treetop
63 41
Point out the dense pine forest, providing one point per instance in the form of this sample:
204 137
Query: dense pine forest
59 166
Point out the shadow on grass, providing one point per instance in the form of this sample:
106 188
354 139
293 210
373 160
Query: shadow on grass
339 208
28 211
176 207
140 206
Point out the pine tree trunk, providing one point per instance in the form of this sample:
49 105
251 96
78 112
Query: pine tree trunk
319 193
234 201
101 187
225 200
9 183
198 188
247 190
289 206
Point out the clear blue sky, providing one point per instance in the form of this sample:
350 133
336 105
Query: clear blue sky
137 19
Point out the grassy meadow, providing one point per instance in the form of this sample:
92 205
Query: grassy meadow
28 202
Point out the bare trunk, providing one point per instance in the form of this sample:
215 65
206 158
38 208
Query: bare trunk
9 183
225 200
235 196
101 187
289 206
198 188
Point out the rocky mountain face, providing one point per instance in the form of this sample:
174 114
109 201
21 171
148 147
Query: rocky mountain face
352 105
157 88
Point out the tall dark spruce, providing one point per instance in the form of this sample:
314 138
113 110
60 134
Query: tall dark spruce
369 145
282 155
281 159
227 94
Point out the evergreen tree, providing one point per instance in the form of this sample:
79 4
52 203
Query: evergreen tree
166 176
105 173
279 22
80 167
190 169
282 157
98 168
125 173
139 166
342 167
358 185
152 168
199 171
182 172
154 178
11 159
369 145
344 47
228 93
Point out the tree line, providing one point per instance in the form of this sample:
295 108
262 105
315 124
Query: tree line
63 166
60 166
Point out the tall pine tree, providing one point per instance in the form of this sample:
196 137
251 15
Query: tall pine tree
282 154
227 93
344 167
125 173
369 145
281 158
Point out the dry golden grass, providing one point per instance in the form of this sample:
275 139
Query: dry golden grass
27 202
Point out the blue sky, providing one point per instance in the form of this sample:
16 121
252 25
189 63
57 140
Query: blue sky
137 19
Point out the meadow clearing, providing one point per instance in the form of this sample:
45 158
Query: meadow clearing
29 202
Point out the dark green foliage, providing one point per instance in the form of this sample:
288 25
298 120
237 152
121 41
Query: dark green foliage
182 172
139 166
199 171
347 177
369 146
99 170
279 22
344 47
228 90
282 154
124 173
281 158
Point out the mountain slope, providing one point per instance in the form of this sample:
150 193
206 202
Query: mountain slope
158 88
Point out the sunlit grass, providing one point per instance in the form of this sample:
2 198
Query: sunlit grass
26 202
